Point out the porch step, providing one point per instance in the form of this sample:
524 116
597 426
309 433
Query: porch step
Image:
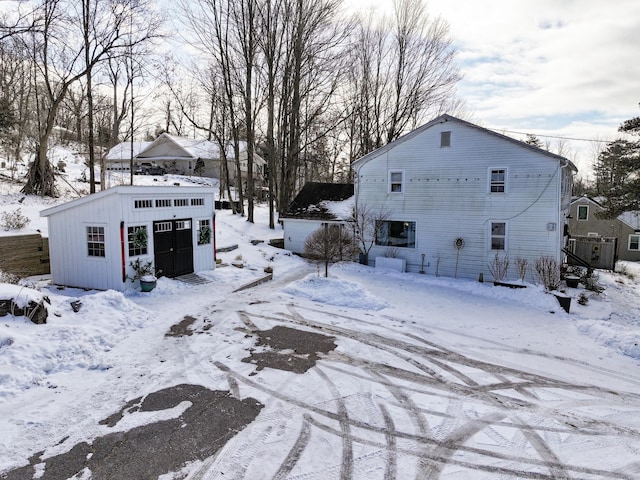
193 279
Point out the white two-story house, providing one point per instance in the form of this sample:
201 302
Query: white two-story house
457 194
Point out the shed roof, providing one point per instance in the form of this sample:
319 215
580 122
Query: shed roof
128 190
317 201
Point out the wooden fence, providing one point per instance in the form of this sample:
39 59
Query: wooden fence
24 255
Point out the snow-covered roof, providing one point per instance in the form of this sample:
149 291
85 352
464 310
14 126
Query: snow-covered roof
328 201
122 151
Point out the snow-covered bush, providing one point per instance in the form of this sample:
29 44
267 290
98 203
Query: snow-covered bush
499 267
13 220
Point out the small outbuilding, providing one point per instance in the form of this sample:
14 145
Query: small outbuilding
94 239
315 205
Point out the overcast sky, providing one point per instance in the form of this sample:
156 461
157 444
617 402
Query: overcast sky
555 67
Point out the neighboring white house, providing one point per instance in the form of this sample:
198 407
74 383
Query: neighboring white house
93 239
315 205
458 194
187 156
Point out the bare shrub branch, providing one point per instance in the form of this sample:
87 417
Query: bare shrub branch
549 272
499 267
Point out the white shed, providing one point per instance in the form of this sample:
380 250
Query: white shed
92 240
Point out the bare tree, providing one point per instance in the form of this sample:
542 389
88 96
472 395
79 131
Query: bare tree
329 244
398 75
367 222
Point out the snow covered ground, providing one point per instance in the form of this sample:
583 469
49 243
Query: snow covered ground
417 376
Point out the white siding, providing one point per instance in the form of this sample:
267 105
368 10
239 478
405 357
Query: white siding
446 193
297 230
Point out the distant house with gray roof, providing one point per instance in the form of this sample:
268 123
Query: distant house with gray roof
584 222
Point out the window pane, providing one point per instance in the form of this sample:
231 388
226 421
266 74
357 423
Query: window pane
582 212
396 177
634 242
95 241
498 229
397 234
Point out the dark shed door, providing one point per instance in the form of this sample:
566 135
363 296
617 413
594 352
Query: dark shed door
173 247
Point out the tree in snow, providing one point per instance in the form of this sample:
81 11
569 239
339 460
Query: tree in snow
329 244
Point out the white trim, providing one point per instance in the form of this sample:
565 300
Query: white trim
505 236
578 207
402 182
505 182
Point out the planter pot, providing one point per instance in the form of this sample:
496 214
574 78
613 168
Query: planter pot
572 282
565 302
363 259
147 285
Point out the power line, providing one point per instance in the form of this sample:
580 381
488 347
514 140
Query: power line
554 136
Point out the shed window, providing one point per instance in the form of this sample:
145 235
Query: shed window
183 225
163 202
142 204
396 234
583 212
498 180
634 242
395 182
445 139
204 232
137 238
95 241
498 235
197 202
160 227
181 202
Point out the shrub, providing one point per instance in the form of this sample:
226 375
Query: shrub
499 267
549 272
13 220
329 244
583 299
590 282
521 266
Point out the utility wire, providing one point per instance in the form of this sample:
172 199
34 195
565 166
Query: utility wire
554 136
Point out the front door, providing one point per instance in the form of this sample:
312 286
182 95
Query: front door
173 247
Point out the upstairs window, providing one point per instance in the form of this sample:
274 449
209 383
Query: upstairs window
164 202
396 180
498 180
498 236
583 212
445 139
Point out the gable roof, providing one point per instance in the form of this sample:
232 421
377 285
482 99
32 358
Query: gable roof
631 219
317 201
122 151
448 118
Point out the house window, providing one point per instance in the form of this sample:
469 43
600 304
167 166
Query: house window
498 180
181 202
498 235
395 182
137 239
396 234
634 242
195 202
583 212
163 202
445 139
204 232
95 241
142 204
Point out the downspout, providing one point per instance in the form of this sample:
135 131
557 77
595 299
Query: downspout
124 271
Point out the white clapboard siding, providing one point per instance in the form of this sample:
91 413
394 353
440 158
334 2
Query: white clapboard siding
297 230
446 192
